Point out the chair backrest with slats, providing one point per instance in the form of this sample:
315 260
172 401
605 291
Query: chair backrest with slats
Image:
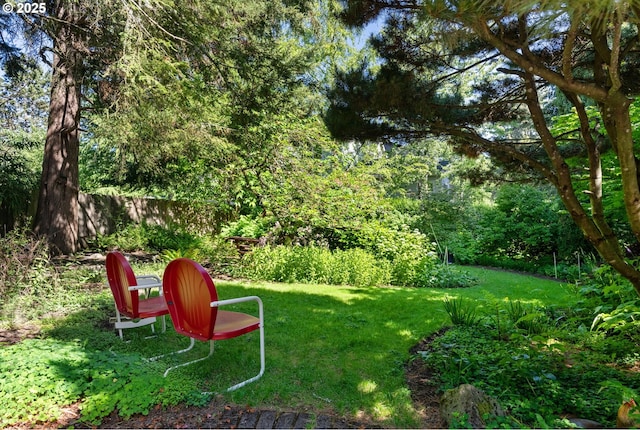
121 277
189 290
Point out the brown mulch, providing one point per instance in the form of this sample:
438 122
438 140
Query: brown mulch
15 335
423 384
218 415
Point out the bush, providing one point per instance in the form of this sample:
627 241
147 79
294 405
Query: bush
433 274
247 227
137 237
19 172
404 270
522 231
352 267
388 242
362 268
403 248
464 247
314 265
218 253
174 237
29 284
130 237
461 312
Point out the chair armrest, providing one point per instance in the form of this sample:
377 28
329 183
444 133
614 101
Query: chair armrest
151 280
219 303
234 301
147 282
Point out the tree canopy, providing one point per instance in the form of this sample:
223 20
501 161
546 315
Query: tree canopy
154 97
456 69
178 101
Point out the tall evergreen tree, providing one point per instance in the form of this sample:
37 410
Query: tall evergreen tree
77 39
245 102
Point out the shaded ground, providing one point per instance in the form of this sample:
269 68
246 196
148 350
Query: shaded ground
221 416
423 384
217 414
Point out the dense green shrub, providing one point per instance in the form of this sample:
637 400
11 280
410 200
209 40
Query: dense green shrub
18 177
463 246
525 229
405 270
522 224
618 305
129 237
431 273
353 267
388 242
135 237
171 237
218 253
314 265
404 248
247 227
530 376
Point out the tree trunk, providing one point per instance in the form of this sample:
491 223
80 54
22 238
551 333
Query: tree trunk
614 106
57 213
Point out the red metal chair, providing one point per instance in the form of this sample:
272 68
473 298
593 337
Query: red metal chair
131 309
193 305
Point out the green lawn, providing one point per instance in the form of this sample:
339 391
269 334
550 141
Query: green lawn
345 347
328 347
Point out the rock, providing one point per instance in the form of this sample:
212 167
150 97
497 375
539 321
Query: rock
467 400
584 423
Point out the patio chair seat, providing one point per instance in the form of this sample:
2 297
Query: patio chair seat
153 307
233 324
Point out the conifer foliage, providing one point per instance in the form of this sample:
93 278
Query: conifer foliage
457 69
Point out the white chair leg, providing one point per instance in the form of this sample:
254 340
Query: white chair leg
121 323
190 362
117 323
262 364
189 348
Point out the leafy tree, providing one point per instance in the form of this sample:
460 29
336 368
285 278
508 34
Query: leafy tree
452 68
22 130
525 222
162 65
242 128
81 38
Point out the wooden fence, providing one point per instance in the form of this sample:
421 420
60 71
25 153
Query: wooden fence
100 214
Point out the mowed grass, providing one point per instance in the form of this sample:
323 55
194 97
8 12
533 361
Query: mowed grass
328 348
345 348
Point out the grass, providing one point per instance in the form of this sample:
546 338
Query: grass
328 347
